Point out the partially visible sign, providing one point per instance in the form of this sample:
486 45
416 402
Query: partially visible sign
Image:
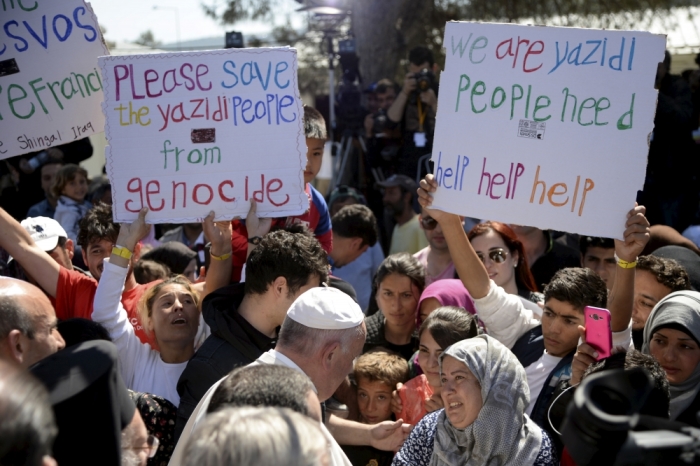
544 126
50 88
195 132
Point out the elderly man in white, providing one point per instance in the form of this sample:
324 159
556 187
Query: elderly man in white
323 333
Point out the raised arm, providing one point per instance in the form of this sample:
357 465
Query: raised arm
504 314
469 267
621 297
219 272
257 227
107 308
17 242
395 112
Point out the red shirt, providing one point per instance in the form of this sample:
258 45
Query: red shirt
75 293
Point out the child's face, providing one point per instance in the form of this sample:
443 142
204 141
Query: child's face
76 188
314 157
374 400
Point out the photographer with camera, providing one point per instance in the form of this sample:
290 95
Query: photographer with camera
414 109
382 137
385 91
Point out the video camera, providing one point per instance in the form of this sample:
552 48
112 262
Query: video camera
380 119
603 425
349 96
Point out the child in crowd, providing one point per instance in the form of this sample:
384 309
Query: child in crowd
317 218
70 188
376 374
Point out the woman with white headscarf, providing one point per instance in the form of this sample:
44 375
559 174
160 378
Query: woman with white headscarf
485 393
672 337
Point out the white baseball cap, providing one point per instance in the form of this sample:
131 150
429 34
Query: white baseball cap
326 308
44 231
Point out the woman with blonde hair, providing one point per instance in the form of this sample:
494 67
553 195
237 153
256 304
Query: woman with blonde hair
169 311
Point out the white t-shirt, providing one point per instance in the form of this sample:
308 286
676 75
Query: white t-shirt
537 374
141 366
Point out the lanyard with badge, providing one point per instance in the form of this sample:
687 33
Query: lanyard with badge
419 138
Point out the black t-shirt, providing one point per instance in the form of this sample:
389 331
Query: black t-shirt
557 257
375 338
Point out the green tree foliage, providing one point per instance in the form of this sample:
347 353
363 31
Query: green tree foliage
146 38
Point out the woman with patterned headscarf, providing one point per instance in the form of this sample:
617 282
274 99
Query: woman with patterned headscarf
485 393
672 337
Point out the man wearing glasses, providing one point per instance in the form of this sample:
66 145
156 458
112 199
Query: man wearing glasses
436 256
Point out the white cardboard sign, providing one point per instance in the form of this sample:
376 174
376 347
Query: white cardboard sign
195 132
50 88
545 126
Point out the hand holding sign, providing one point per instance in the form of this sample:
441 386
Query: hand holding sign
200 131
636 235
132 233
428 186
218 233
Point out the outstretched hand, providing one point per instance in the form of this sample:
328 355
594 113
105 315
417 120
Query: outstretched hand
636 235
132 233
390 435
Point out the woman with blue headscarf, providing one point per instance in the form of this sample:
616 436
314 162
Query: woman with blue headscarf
672 337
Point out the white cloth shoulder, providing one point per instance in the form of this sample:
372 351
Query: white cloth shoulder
338 457
505 315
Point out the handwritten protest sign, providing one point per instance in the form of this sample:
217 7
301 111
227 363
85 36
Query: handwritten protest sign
546 127
194 132
50 89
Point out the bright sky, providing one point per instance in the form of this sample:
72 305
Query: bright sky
125 20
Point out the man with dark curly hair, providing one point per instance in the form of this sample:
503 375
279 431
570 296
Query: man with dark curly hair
655 278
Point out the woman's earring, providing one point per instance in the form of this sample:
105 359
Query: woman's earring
515 265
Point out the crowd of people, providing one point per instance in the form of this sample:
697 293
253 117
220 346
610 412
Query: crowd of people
373 329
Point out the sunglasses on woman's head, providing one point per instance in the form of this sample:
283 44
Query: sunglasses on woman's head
498 255
429 223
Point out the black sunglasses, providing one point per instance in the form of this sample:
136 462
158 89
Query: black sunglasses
498 255
429 223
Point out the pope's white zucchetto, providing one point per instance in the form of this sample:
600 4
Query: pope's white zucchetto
326 308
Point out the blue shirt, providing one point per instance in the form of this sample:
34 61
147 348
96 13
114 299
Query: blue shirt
360 273
41 209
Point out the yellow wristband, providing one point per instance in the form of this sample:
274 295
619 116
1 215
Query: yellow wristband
625 264
223 257
121 251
